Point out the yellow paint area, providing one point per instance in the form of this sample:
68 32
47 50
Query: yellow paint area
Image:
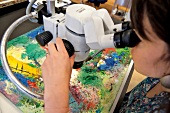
23 68
16 53
19 65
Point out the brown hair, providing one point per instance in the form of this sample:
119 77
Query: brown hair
158 13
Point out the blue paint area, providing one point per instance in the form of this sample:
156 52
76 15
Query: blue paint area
117 57
3 75
98 111
75 107
95 63
33 34
111 61
104 67
2 87
22 79
122 54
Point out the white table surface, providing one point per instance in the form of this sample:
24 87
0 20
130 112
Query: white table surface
7 106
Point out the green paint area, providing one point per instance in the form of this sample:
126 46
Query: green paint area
19 40
125 51
88 77
33 51
126 55
97 56
32 65
0 63
32 48
34 105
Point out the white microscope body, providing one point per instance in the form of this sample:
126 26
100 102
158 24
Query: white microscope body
84 27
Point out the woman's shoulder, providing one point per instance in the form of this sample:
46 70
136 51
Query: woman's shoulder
143 87
136 100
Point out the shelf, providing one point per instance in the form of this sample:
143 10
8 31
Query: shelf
6 3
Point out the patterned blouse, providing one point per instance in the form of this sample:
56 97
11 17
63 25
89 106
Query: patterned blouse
136 101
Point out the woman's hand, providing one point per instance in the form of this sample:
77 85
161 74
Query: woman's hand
56 71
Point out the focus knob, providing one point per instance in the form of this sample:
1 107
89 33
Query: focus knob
45 37
69 47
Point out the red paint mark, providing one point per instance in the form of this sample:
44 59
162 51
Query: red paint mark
90 105
84 96
32 84
76 94
108 51
78 69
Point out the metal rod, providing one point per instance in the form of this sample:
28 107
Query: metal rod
4 60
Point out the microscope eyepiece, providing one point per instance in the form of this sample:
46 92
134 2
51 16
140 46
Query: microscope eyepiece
126 38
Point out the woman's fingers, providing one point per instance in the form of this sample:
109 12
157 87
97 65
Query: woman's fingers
52 49
60 45
72 60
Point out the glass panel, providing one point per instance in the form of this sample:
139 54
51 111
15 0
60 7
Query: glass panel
121 8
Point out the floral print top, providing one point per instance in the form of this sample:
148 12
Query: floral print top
136 101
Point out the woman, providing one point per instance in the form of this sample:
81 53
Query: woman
151 22
150 19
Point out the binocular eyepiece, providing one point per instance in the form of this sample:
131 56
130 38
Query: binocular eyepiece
126 38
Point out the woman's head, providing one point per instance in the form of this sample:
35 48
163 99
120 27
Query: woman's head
151 21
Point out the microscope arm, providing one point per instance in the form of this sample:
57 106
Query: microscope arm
100 31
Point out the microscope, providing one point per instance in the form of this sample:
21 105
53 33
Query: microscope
81 27
86 28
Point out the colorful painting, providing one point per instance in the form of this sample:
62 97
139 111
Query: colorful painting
93 87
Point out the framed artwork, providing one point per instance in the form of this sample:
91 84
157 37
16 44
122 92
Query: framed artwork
94 88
